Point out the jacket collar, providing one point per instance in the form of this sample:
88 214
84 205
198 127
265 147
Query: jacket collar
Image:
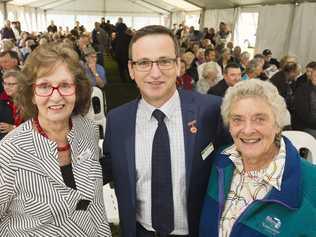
290 194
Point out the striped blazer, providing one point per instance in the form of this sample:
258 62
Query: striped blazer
34 200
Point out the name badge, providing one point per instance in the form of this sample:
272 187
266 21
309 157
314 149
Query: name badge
207 151
84 156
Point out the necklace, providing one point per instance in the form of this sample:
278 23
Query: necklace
41 131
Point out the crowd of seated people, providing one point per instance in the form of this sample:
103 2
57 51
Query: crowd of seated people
233 65
203 54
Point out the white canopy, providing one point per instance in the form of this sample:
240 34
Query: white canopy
284 26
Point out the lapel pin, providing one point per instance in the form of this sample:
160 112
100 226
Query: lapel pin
193 128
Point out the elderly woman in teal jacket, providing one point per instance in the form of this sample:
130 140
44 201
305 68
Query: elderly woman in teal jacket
259 186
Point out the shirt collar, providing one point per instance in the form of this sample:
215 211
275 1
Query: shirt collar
167 108
271 175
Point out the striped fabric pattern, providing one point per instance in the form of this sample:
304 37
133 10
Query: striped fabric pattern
249 186
34 201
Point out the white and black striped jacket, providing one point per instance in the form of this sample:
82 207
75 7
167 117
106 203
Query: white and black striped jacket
34 200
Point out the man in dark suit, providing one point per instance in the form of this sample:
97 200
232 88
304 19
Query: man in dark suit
191 128
232 75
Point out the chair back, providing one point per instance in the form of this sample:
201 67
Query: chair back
110 202
96 111
303 140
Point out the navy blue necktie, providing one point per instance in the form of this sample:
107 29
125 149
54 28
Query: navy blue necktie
161 181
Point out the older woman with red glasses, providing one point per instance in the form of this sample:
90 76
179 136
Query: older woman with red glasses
50 176
9 114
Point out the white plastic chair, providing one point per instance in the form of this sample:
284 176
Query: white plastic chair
303 140
110 203
96 111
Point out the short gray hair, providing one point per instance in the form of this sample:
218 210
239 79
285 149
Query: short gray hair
209 67
252 65
260 89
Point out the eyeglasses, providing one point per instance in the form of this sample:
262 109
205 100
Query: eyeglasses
9 84
46 89
146 65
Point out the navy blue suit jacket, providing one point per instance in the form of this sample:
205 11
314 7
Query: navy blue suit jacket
119 150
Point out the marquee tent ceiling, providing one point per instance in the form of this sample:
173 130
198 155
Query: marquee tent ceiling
141 6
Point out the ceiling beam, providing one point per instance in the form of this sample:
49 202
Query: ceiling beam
194 3
61 3
155 5
38 3
146 7
101 12
49 3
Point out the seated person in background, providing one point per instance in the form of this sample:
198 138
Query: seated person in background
304 117
237 54
209 78
9 60
225 58
199 57
287 59
253 70
307 75
94 71
259 186
210 56
285 82
260 58
232 75
82 43
188 57
230 46
184 81
29 47
9 115
268 60
50 176
244 59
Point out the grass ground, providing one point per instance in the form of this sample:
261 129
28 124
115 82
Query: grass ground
111 69
115 230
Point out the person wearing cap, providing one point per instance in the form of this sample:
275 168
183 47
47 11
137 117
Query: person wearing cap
269 60
94 71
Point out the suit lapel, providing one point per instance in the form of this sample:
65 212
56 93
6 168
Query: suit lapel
129 143
48 160
86 168
190 121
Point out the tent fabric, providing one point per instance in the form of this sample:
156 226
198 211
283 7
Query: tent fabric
215 16
274 25
303 33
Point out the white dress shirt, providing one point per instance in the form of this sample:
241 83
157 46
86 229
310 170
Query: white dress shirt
146 126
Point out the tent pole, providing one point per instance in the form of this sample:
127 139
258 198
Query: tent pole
5 11
202 19
194 3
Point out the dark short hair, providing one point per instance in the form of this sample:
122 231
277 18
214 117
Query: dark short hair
266 52
11 53
207 51
311 65
43 61
231 65
290 67
153 30
259 55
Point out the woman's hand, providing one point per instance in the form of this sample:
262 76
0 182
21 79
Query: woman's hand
93 67
6 127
